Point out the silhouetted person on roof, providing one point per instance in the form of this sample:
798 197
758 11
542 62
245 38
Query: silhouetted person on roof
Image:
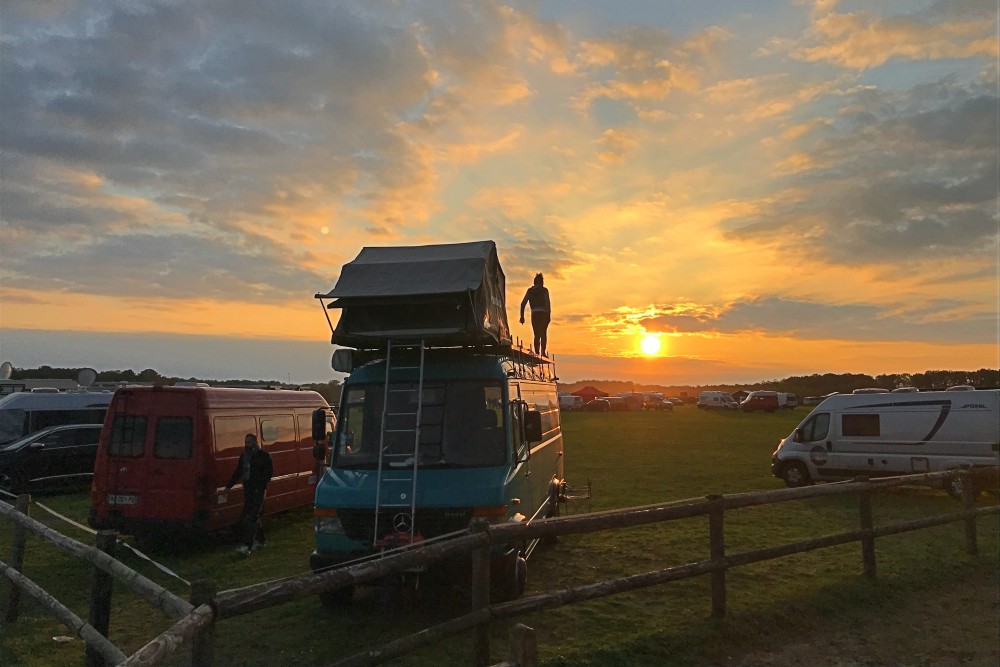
541 313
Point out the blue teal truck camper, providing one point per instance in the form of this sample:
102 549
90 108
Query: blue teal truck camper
442 419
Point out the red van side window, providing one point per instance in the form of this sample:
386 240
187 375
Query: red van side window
229 434
278 432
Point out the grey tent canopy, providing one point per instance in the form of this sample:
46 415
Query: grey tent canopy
448 294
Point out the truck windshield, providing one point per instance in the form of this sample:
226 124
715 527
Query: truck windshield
461 425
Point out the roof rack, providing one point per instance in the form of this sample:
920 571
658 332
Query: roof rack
518 361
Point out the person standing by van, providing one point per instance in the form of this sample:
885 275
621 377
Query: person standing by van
255 469
541 313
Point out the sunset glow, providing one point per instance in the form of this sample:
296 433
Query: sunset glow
714 192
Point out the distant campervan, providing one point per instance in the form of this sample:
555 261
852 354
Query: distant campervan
25 412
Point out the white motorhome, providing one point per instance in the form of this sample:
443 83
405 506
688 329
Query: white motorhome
849 435
25 412
716 400
569 401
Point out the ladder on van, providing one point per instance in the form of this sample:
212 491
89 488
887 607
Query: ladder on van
405 422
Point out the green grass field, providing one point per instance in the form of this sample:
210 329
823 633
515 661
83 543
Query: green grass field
631 459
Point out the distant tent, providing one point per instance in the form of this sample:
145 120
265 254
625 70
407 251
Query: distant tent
589 393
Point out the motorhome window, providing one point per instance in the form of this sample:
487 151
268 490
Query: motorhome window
454 426
128 436
860 426
173 438
230 433
278 432
816 427
45 418
13 424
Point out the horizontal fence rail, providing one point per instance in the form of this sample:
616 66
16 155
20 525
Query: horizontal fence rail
156 595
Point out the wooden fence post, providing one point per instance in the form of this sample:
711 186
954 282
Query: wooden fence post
203 644
969 493
867 521
17 560
101 587
717 551
523 646
481 595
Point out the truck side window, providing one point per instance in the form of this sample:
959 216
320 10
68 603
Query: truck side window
816 427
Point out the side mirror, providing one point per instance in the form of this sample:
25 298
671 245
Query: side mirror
797 437
319 424
343 360
533 426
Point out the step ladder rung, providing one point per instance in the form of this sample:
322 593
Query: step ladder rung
401 414
401 430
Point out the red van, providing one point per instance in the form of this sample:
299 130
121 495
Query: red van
166 454
760 400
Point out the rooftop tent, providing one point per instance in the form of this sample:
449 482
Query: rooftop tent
449 294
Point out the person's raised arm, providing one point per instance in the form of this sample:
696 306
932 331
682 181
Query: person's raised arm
523 302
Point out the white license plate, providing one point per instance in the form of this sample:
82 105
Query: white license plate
122 500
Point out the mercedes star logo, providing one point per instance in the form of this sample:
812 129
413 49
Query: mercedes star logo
402 522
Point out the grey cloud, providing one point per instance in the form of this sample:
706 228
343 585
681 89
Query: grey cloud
775 316
145 265
902 178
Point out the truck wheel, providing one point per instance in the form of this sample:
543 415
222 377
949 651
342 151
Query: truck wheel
337 599
795 475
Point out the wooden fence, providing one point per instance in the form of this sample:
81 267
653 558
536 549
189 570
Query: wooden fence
196 619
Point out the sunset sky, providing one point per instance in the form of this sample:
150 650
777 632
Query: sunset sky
770 188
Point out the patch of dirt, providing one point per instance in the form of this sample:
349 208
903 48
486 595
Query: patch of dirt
948 626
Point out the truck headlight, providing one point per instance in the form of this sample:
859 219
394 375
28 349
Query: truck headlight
327 522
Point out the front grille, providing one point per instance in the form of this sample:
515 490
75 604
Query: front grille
359 524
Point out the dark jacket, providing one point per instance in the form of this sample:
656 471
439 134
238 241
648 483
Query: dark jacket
261 469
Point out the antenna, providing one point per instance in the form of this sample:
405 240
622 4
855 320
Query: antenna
86 377
6 370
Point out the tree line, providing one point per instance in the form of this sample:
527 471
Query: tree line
814 385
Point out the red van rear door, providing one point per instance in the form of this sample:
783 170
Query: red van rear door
153 467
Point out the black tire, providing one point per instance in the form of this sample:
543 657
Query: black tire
795 475
337 599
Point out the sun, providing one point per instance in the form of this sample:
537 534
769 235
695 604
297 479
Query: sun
651 344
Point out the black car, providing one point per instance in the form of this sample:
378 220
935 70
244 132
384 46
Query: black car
55 456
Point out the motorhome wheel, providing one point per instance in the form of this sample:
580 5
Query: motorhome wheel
795 475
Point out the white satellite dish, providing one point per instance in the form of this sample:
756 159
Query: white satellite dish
86 377
6 370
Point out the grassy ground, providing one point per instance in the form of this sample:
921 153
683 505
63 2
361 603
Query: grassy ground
631 459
